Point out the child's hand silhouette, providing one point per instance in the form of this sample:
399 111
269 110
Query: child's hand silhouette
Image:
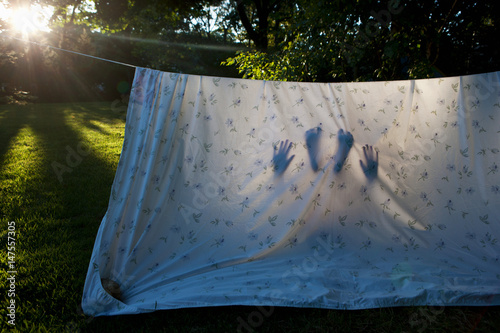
371 167
280 159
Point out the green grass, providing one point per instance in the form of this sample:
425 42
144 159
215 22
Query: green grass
57 218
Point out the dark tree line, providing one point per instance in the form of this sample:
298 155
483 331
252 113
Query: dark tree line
302 40
331 40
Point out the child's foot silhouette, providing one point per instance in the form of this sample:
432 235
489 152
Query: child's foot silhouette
312 142
345 140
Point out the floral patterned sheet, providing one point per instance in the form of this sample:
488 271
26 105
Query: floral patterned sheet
212 206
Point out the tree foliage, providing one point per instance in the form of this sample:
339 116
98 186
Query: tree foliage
340 40
299 40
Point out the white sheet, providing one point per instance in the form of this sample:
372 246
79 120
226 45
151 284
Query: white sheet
198 217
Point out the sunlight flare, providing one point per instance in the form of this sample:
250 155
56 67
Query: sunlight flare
27 20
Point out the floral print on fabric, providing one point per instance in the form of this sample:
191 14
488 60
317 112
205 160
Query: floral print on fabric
211 205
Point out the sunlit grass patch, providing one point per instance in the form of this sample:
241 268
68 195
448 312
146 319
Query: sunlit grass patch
20 172
56 217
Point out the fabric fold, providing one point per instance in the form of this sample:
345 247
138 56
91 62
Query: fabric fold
208 207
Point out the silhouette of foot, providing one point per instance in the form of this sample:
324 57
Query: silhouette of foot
345 144
371 167
312 142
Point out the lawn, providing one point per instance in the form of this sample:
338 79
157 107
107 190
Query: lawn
57 164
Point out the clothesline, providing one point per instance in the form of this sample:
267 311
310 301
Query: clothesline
74 52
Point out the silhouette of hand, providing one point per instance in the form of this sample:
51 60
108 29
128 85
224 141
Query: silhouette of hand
371 167
280 159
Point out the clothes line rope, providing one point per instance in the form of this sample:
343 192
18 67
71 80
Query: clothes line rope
69 51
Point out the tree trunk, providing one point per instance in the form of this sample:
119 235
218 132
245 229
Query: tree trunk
257 36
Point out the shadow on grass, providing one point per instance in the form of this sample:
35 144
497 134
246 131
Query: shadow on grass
67 163
57 164
281 319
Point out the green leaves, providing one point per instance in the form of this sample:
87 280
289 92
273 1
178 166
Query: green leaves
258 65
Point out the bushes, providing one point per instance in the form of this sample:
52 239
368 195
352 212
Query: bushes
16 97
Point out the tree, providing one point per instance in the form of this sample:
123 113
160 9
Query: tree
300 40
374 40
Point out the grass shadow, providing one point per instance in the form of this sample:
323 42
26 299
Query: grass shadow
56 172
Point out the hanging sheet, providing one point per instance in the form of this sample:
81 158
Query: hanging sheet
205 211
